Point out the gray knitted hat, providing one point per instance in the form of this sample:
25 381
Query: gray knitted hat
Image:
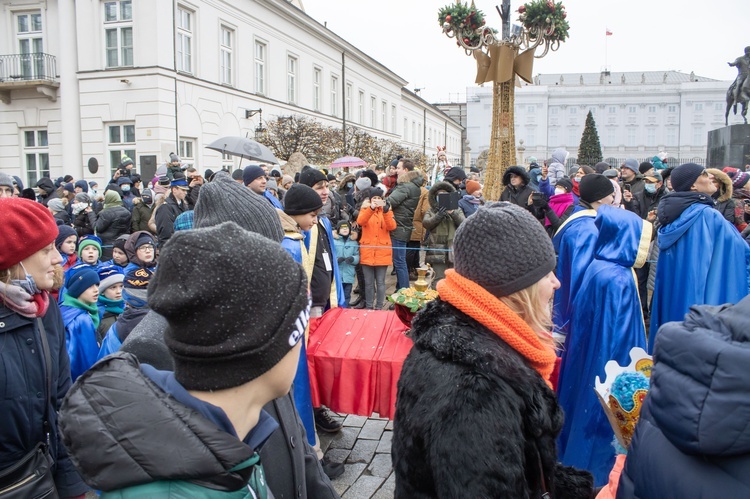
223 200
503 248
363 183
235 322
6 180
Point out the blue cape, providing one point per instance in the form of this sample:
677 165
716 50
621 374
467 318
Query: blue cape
705 258
574 244
606 325
80 338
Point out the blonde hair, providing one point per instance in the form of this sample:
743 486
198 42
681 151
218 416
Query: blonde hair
537 315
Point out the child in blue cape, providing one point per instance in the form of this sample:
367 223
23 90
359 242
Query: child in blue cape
81 318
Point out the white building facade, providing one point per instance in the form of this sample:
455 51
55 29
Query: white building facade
636 114
85 81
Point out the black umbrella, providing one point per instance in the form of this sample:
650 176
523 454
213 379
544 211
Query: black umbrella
244 148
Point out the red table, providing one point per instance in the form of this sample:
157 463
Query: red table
355 359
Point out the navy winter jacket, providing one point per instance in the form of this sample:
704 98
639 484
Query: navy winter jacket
22 387
693 437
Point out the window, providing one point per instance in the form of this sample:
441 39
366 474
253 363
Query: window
372 111
631 109
384 114
317 77
573 110
361 105
612 109
651 136
30 45
612 137
671 136
291 79
227 162
184 40
553 137
573 138
121 142
631 137
349 101
414 131
36 153
393 118
334 96
225 55
699 137
186 151
553 111
651 109
530 109
718 106
698 106
118 33
260 68
672 109
406 127
530 137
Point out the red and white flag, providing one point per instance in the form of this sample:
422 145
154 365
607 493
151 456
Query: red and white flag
609 33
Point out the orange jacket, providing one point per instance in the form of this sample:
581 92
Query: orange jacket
376 227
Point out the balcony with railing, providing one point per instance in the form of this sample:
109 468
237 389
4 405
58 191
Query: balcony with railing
20 71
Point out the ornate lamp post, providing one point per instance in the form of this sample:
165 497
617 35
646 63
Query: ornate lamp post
498 60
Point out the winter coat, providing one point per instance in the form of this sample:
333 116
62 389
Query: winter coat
473 419
469 204
120 330
403 201
80 337
423 205
165 217
346 248
141 216
693 439
291 465
62 218
519 196
112 222
441 226
643 202
117 407
85 223
22 385
723 196
556 167
48 190
376 226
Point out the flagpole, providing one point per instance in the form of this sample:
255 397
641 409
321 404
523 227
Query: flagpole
606 47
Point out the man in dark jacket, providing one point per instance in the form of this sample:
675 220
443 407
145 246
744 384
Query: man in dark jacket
403 201
693 439
171 209
632 180
47 190
645 202
517 189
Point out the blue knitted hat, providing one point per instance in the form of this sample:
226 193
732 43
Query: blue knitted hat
80 280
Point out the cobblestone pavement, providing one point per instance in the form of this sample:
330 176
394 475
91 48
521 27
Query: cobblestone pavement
364 446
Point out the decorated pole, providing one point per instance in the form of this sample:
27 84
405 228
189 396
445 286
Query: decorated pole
499 61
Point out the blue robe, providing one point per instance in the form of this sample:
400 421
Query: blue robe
703 260
574 244
80 338
607 324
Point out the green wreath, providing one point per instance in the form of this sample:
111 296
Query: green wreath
542 15
461 17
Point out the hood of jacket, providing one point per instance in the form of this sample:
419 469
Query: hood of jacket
289 225
128 320
112 199
670 210
700 380
624 237
439 186
560 155
122 430
130 250
349 177
413 176
46 184
516 170
725 184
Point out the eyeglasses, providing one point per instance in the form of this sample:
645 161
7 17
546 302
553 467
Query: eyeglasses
147 247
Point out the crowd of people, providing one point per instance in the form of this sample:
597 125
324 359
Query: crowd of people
169 316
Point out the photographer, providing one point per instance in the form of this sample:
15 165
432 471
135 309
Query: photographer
195 181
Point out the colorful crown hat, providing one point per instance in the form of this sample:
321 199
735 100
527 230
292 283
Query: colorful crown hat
623 391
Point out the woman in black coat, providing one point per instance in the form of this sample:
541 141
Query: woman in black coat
517 189
475 412
112 222
26 313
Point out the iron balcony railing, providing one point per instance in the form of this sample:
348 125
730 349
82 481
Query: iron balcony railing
28 67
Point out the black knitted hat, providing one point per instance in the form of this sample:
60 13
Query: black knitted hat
565 183
503 248
301 199
644 167
684 176
311 176
224 200
232 324
594 187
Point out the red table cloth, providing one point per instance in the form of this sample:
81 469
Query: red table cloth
355 358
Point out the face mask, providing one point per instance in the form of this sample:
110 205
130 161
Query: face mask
559 191
349 185
28 284
576 179
125 188
650 188
93 192
78 208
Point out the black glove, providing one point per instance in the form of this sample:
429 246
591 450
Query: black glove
442 212
540 202
340 259
349 259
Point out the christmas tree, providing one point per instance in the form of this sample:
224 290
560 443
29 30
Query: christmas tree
590 150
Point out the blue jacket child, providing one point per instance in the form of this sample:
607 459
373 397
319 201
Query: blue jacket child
347 252
81 318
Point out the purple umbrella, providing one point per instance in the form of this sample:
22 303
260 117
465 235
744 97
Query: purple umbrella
348 162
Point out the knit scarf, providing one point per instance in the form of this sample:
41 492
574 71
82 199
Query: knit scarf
479 304
113 306
559 203
36 307
91 308
576 188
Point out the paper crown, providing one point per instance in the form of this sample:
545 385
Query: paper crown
623 391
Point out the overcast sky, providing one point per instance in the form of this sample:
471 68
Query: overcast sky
648 35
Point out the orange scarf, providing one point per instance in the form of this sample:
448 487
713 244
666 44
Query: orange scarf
479 304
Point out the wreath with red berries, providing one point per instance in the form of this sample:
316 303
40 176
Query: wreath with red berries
464 21
544 14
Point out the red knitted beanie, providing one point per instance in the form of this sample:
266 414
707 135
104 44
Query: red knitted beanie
26 227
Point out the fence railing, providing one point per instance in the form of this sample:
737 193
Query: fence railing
28 67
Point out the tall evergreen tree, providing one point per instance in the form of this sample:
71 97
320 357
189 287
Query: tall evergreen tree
590 150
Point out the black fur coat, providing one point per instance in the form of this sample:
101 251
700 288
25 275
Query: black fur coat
472 419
